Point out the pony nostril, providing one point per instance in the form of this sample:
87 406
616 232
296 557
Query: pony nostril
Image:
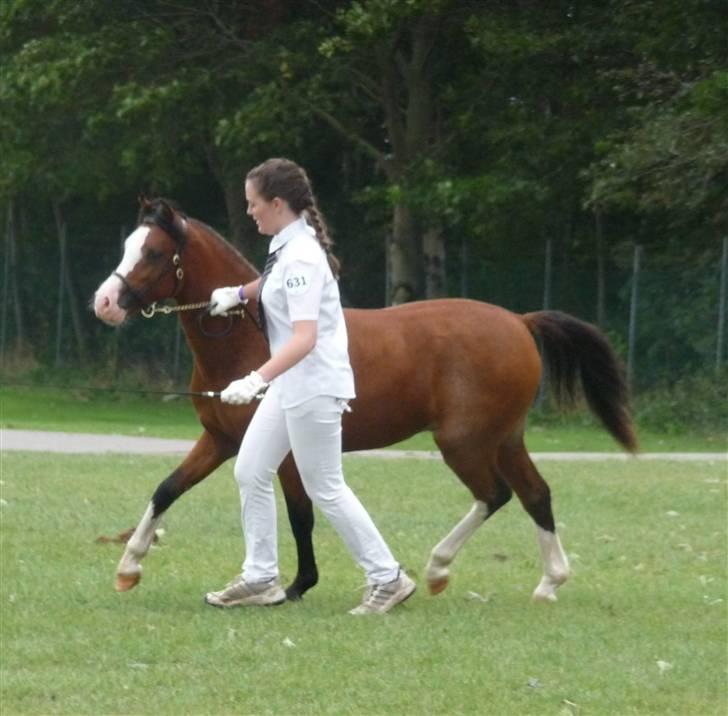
125 300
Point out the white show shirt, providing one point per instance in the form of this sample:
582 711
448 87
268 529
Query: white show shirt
301 287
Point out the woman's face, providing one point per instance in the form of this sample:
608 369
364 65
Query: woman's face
266 214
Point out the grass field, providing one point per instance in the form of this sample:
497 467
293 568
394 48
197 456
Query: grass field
79 411
639 629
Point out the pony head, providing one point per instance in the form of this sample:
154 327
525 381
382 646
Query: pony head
150 269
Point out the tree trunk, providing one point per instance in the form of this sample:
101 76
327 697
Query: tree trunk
232 183
11 291
241 233
405 90
433 255
403 258
410 132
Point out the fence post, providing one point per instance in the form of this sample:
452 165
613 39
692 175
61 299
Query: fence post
387 242
117 333
547 273
6 282
633 313
721 307
601 279
464 266
61 226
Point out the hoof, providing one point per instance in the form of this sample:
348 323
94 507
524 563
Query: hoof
125 582
544 597
546 590
438 585
299 586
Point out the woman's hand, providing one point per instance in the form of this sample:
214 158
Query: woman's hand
223 299
241 392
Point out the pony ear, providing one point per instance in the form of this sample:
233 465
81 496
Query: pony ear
166 210
143 201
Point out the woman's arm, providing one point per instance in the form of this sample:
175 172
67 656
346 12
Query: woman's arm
296 349
250 290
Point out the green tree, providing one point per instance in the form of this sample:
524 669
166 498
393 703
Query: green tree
671 156
379 90
666 166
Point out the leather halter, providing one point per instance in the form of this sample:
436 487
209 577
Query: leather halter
175 264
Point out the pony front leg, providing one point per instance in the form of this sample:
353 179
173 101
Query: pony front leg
207 454
442 555
129 571
555 566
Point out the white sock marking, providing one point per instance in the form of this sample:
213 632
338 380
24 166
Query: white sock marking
555 566
444 552
139 544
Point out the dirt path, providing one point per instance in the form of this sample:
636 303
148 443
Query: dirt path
88 443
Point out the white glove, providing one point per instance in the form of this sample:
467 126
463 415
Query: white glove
241 392
223 299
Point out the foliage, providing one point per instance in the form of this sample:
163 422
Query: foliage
675 159
670 156
500 125
700 401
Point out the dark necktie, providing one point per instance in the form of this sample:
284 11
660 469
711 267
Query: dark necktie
269 263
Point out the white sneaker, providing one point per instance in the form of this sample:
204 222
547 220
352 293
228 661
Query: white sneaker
239 592
380 598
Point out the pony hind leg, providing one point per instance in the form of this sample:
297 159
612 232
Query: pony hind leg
301 518
517 468
477 471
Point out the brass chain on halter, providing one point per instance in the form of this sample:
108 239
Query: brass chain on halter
152 309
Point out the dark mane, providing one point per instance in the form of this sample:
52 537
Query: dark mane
235 255
162 212
152 210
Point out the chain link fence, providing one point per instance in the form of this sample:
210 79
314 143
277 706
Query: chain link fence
664 315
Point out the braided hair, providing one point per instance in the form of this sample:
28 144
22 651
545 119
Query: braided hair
287 180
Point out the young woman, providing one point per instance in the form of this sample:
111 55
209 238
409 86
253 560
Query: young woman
309 381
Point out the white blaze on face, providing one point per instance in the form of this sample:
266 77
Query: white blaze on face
133 250
106 299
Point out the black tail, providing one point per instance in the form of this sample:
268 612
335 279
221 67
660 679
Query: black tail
572 348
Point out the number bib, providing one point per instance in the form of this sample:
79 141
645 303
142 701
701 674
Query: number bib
297 283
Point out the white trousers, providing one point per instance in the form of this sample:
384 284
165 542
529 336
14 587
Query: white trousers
313 432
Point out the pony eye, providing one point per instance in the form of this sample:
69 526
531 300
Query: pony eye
153 255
